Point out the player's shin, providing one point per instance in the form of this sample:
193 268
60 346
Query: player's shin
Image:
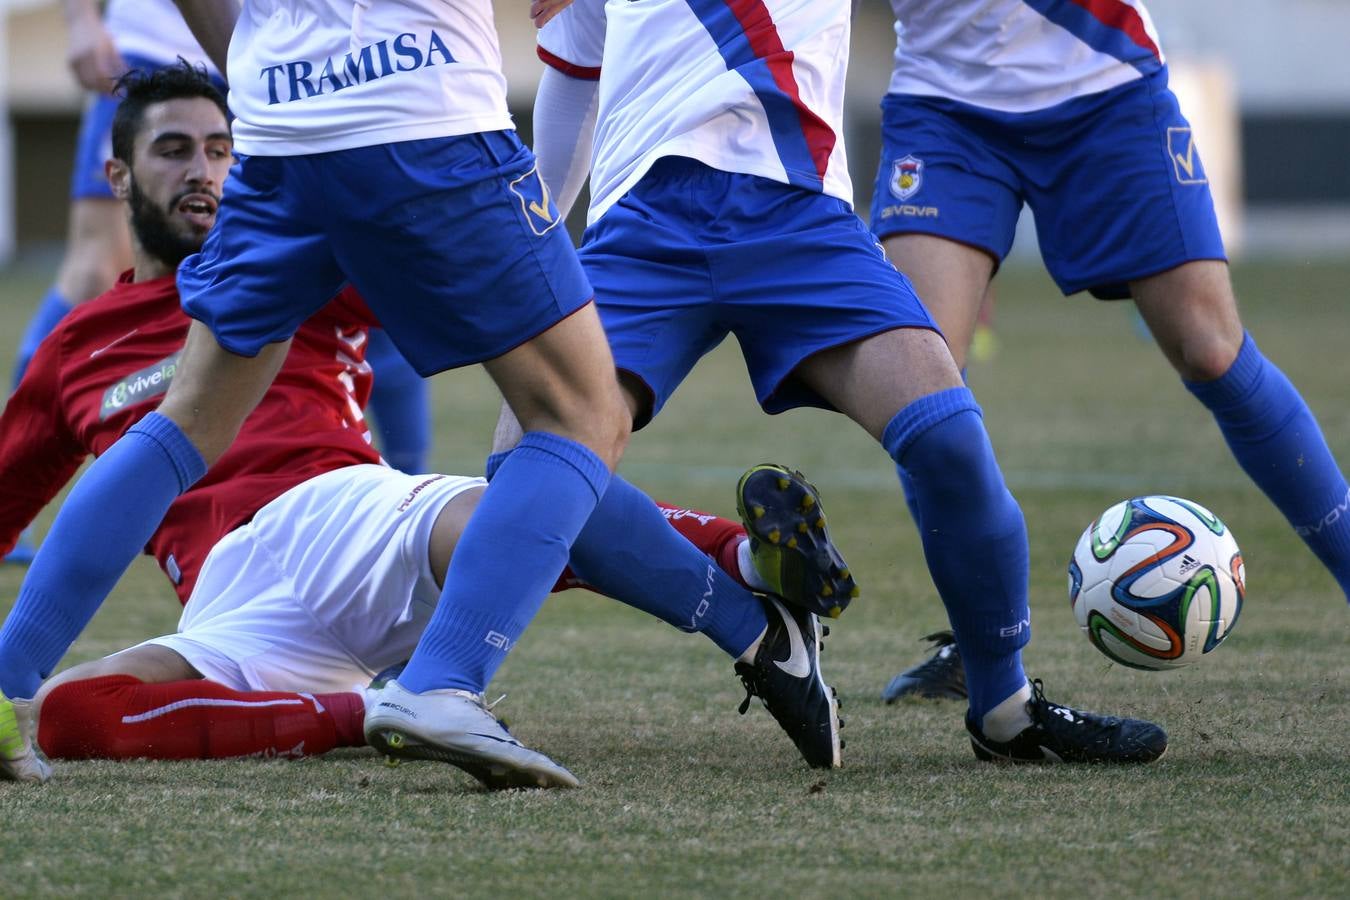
510 554
974 537
121 717
1278 443
628 551
107 519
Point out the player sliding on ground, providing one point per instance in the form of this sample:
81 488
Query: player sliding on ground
299 523
721 205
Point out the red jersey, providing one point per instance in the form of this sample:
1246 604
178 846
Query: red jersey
109 363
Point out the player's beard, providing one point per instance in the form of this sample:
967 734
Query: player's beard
155 230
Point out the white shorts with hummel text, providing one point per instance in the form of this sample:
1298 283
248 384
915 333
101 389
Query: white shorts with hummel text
327 585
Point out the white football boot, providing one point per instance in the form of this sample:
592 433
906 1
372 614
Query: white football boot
18 760
456 727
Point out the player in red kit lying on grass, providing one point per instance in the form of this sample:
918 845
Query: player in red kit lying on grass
305 564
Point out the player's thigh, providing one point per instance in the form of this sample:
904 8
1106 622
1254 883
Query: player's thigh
455 244
653 287
950 278
873 379
839 290
268 264
328 584
1194 318
1117 186
562 381
147 662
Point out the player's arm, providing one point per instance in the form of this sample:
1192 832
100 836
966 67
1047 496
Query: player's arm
572 49
39 453
90 52
211 23
564 126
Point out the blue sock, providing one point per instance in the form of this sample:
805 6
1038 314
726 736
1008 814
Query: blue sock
400 401
1278 443
507 560
49 313
109 516
629 552
906 487
974 537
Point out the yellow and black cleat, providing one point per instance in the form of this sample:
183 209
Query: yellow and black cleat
807 569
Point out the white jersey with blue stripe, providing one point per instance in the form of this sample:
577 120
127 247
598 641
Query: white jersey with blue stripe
747 86
1020 55
153 30
313 76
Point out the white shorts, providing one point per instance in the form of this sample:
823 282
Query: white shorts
327 585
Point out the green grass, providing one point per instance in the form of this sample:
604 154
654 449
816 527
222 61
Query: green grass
683 797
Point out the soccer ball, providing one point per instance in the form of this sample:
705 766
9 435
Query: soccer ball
1156 582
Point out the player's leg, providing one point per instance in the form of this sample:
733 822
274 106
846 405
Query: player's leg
853 336
975 544
400 404
627 550
119 501
1125 220
1266 422
149 702
97 251
98 247
950 277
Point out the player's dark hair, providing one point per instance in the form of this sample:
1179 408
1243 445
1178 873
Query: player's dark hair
140 89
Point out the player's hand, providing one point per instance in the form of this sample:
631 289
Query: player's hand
93 58
543 10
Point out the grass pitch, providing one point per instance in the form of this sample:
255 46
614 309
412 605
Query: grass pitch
682 797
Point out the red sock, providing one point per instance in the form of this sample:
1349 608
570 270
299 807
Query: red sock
717 537
121 717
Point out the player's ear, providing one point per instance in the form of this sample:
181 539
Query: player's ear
118 174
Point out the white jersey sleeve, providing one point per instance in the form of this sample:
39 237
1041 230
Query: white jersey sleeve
754 87
573 42
1021 55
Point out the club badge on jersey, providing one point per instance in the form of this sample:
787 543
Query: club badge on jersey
906 177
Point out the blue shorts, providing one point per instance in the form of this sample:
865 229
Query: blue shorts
691 254
1114 180
453 242
93 146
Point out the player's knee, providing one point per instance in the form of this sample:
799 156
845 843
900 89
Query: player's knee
1205 356
615 429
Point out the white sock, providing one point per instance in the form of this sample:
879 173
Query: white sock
749 655
1007 720
749 574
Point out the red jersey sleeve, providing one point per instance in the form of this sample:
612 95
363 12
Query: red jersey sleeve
39 453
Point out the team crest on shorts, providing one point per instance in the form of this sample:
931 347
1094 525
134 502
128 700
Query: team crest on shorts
535 202
906 177
1185 161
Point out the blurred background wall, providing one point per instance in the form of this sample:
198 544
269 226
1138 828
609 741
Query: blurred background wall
1266 84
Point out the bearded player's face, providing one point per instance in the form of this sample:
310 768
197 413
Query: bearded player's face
183 153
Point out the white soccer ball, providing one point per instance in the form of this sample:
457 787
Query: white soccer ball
1156 582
